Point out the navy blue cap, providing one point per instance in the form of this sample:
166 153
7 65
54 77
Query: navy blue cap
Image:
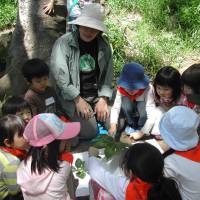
132 77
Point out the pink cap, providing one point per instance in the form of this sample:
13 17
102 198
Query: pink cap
44 128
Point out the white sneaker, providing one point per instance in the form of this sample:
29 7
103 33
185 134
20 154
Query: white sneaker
128 130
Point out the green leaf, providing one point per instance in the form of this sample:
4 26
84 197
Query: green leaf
99 144
109 152
81 174
79 163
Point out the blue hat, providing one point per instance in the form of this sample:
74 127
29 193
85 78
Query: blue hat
178 128
132 77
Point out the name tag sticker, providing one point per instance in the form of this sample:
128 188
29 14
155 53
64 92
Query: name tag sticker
49 101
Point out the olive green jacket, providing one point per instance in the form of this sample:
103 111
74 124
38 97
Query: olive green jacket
64 70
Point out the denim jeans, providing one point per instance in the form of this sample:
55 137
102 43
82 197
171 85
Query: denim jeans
134 112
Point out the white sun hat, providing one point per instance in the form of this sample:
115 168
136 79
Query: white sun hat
92 16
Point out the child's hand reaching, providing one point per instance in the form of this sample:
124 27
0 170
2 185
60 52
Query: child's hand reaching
137 135
49 7
112 130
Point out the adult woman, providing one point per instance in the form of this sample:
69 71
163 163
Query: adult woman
82 70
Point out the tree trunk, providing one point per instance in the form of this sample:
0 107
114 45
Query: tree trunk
33 37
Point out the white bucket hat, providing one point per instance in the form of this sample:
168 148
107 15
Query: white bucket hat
178 128
92 16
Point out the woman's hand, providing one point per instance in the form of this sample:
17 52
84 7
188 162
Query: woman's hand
101 109
49 7
83 109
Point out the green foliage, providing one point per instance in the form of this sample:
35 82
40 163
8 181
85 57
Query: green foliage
118 42
155 10
8 12
156 49
166 32
183 17
118 5
111 146
79 168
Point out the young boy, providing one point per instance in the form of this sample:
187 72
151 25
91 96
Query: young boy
12 151
17 106
40 96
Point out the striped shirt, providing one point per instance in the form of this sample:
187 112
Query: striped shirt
8 180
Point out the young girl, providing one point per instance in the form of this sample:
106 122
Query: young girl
17 106
167 89
167 85
134 100
12 151
143 165
43 174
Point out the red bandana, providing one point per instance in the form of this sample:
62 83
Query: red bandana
67 157
21 154
137 190
132 97
193 154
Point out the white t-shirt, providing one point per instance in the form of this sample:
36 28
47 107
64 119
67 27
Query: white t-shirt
115 185
187 175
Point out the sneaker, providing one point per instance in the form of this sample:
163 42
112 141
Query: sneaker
128 130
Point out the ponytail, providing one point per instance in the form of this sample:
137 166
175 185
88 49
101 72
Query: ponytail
165 189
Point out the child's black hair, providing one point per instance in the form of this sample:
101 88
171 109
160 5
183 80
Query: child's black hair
45 158
145 162
168 76
15 104
9 126
191 77
35 68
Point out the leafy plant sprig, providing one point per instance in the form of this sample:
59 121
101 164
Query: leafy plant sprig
79 168
109 144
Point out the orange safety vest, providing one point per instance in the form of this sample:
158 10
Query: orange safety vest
137 190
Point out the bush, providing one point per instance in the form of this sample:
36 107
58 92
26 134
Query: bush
118 42
119 5
171 14
8 12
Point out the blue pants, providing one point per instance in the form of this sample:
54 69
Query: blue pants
134 112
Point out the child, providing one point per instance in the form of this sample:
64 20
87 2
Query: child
191 87
74 8
43 175
167 85
143 165
167 89
40 96
178 128
134 99
17 106
12 150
